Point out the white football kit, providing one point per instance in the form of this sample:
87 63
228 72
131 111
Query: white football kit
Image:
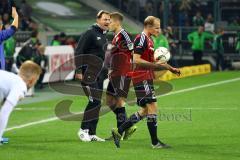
12 89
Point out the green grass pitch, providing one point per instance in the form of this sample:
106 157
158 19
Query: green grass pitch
201 124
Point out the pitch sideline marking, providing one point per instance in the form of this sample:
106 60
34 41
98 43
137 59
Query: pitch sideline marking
168 94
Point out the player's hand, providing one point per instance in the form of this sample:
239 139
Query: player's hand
79 76
14 12
175 71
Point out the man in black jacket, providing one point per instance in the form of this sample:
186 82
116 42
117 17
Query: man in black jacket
89 59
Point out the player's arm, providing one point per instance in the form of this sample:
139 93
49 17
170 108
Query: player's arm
190 37
15 17
83 44
139 47
7 107
137 60
208 35
170 68
155 66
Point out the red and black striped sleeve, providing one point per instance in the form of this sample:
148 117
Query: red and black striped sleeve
140 44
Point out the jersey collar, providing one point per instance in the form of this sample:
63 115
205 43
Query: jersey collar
118 33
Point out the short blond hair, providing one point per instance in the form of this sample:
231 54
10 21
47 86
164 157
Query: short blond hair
29 69
150 20
117 16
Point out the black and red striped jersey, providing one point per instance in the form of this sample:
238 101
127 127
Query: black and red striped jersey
144 46
121 54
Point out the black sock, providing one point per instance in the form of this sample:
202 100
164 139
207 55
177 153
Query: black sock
121 115
133 119
152 127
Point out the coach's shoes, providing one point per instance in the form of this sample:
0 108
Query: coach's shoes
4 141
96 138
129 132
160 145
83 135
116 137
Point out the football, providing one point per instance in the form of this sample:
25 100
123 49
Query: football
162 54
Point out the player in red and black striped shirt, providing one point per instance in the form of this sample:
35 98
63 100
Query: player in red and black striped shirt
143 82
120 63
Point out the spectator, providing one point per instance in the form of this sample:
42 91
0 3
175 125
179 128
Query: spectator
197 39
40 59
9 50
24 23
56 41
27 24
4 7
219 49
234 23
5 34
172 45
71 41
142 14
160 41
32 26
198 20
238 42
149 8
182 18
209 25
29 49
170 37
5 19
132 9
25 9
62 38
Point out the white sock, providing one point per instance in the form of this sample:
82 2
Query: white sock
5 112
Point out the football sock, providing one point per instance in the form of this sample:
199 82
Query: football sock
152 127
133 119
121 115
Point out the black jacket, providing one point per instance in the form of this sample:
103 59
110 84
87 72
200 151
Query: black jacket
92 42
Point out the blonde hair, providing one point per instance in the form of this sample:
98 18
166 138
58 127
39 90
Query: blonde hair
150 20
29 69
117 16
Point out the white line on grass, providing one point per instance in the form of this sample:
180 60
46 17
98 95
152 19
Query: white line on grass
168 94
199 87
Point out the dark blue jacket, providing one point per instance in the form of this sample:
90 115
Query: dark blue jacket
5 34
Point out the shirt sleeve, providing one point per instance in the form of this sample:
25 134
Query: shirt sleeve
139 45
190 37
15 95
83 44
7 33
127 42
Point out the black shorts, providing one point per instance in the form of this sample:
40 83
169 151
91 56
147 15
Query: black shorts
145 93
119 86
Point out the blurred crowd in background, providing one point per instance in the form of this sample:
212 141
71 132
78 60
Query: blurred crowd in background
181 12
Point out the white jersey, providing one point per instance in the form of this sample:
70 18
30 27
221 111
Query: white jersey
12 87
